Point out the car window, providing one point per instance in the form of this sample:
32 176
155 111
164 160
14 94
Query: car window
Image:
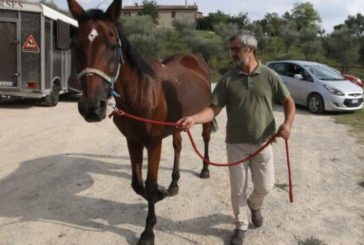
280 68
294 69
324 72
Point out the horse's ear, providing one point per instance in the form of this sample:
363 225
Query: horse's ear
114 10
75 8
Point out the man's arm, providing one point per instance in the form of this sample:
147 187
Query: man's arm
204 116
289 114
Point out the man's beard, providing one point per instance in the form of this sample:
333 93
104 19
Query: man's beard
241 63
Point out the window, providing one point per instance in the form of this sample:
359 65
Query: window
294 69
173 14
280 68
324 72
63 38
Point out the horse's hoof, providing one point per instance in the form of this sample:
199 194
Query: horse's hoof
146 239
139 189
161 194
205 174
173 190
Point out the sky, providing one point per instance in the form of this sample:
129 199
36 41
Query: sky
332 12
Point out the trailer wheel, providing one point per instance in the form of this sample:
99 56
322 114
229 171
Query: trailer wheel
53 98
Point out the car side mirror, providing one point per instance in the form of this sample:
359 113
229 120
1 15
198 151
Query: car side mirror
298 76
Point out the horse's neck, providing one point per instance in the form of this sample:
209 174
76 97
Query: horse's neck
140 93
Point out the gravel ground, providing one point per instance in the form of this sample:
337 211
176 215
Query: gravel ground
64 181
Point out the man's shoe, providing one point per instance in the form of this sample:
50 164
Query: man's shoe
257 217
238 237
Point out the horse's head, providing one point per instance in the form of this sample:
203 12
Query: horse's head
96 47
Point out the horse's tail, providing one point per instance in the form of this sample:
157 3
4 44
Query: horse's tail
214 125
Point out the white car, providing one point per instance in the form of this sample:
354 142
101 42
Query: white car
318 86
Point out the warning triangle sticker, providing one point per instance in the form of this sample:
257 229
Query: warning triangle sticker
31 45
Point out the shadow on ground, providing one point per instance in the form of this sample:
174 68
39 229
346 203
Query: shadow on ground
47 189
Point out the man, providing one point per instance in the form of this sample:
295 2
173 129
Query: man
248 91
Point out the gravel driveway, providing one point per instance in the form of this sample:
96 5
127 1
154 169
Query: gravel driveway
65 181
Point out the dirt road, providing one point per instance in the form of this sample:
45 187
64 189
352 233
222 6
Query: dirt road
64 181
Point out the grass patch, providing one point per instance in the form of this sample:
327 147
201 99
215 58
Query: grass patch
356 121
311 241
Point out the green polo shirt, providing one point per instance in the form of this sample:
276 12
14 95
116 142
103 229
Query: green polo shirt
249 101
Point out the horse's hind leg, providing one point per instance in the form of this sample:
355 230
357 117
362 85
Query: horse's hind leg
136 157
206 132
177 145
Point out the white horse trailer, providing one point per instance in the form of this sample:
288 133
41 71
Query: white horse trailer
35 55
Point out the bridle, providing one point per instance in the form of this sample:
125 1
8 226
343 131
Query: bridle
90 71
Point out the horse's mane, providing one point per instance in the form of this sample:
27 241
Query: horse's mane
137 61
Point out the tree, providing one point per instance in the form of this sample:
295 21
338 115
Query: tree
287 16
344 47
241 20
225 30
272 24
208 22
171 42
262 37
361 50
289 35
141 33
356 24
150 8
308 41
138 24
208 45
184 27
305 15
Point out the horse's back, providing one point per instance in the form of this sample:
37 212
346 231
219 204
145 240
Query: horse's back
186 85
190 62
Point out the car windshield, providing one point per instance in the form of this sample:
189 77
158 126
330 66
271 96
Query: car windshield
324 72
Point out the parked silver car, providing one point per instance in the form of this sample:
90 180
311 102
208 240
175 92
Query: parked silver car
318 86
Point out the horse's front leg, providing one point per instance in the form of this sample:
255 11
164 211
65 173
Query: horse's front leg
177 146
206 132
153 193
136 158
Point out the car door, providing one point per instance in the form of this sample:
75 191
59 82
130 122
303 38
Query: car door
299 81
282 69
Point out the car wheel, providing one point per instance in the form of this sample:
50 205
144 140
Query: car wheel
52 98
316 104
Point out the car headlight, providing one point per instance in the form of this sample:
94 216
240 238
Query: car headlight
334 91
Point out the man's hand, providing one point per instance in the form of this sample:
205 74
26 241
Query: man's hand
187 122
284 131
204 116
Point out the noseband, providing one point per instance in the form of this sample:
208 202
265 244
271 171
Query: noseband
89 71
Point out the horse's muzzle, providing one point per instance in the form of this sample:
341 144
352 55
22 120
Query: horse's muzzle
92 112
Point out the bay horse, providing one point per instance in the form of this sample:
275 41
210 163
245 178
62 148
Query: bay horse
107 64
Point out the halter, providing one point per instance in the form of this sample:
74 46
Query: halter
89 71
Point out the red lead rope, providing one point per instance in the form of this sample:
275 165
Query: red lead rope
120 112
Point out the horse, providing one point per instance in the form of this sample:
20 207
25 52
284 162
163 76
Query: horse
109 66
